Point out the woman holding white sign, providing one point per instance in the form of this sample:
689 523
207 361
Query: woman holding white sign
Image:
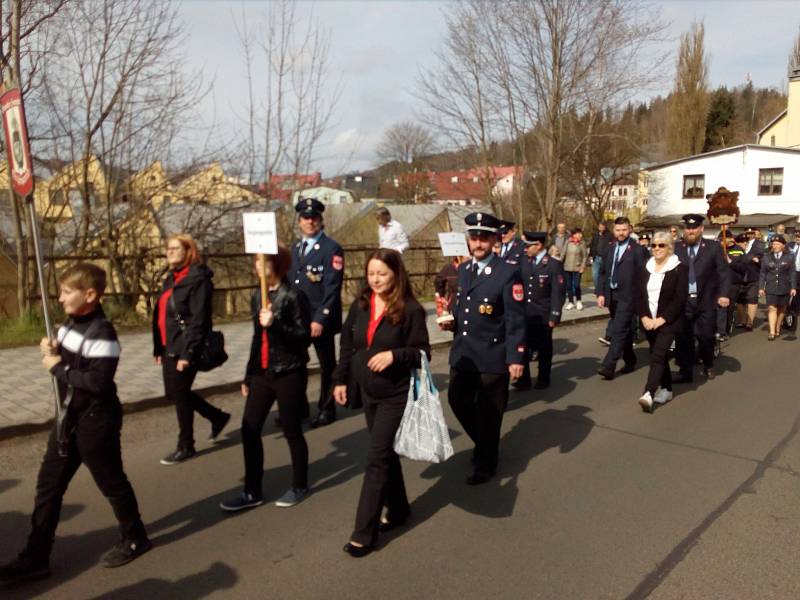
381 342
276 371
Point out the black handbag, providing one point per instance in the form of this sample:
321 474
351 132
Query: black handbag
212 353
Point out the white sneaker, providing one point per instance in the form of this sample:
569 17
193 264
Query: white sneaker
579 305
663 396
646 402
569 306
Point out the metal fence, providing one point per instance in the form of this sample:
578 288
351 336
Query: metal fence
234 276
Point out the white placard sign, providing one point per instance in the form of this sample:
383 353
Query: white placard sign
260 233
453 243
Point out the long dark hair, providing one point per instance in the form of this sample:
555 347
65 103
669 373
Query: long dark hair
401 292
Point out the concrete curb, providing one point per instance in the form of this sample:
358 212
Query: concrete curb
143 404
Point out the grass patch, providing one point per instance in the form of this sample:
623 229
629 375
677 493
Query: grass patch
25 330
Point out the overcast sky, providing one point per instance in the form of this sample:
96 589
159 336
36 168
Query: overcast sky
378 47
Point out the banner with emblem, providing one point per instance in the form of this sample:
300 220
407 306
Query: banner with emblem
19 153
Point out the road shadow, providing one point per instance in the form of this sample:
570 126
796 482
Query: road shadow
564 377
218 576
563 429
7 484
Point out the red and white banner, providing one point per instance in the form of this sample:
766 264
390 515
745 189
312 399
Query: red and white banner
19 153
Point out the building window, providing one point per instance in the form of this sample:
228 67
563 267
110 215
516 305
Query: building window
770 182
694 186
358 179
772 140
454 179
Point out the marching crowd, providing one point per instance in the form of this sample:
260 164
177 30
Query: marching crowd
502 303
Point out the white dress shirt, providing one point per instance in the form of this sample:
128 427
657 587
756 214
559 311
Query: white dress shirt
393 236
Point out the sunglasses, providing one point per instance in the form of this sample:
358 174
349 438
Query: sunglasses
659 245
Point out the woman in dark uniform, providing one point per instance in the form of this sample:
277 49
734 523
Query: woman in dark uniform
380 345
778 283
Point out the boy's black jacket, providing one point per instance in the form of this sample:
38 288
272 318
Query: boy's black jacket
88 364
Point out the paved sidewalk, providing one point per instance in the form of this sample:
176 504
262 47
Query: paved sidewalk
26 390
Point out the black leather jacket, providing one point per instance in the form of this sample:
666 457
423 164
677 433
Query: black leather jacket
192 301
288 336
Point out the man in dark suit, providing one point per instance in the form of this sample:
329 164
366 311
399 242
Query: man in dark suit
318 270
488 345
511 248
619 273
543 278
747 306
709 282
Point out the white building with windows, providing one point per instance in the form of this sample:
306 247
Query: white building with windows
766 177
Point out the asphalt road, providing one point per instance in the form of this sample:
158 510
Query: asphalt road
594 499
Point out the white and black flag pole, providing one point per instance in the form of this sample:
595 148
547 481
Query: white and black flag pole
20 171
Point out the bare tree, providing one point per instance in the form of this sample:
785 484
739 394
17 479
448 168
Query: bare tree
117 101
405 143
687 109
540 64
287 58
24 42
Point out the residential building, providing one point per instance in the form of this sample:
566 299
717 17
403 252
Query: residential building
784 130
282 187
326 195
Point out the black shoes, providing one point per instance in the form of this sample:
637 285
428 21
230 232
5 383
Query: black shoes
542 384
392 523
322 419
218 425
125 552
628 368
522 385
479 477
357 551
682 378
24 568
606 373
243 501
180 455
709 373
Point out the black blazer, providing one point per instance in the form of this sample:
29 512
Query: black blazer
778 276
405 340
711 271
628 271
671 300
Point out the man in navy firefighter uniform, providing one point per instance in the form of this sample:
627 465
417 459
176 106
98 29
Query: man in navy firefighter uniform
512 249
545 290
318 270
709 282
488 345
620 270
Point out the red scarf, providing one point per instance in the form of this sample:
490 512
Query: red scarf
162 303
373 320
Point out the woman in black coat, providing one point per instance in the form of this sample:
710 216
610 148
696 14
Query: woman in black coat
276 370
181 322
778 282
380 344
660 304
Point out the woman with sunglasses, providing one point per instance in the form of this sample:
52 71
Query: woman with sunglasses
661 301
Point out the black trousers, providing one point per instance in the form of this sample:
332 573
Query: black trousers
383 477
699 323
621 334
540 340
95 443
479 401
325 348
659 374
178 389
289 389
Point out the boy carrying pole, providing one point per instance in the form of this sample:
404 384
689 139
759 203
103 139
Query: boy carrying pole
83 360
